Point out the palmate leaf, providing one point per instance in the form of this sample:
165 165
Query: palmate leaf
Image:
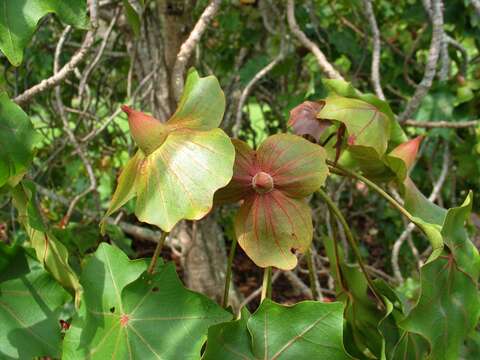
448 308
310 330
127 313
180 164
51 253
307 330
30 306
19 19
17 138
274 221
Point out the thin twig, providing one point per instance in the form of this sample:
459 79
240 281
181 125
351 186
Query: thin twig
250 85
375 71
73 140
101 50
325 66
112 117
441 124
188 46
298 284
76 59
430 68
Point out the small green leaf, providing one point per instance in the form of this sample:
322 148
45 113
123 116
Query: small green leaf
17 138
127 313
30 307
19 19
133 15
306 330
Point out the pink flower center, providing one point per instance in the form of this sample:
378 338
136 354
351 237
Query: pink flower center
262 182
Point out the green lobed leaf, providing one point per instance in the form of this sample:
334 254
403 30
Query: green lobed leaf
306 330
177 176
17 138
30 307
51 253
19 19
230 340
448 308
127 313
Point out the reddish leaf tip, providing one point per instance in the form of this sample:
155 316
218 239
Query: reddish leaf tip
408 151
126 109
351 140
148 132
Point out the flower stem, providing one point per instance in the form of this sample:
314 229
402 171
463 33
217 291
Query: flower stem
351 240
228 275
267 284
311 274
156 253
340 169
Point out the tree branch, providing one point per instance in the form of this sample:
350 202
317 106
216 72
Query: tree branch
188 47
441 124
250 85
375 72
326 67
430 68
76 59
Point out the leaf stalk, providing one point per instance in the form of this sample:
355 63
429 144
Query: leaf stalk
156 253
267 284
228 274
351 240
